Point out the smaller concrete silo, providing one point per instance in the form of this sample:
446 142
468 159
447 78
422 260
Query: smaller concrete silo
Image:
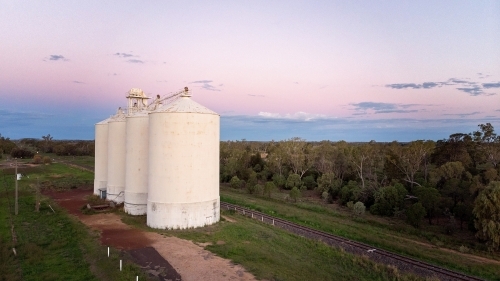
101 157
116 157
136 167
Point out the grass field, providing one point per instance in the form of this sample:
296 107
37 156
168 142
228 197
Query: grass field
72 252
84 161
274 254
52 245
393 236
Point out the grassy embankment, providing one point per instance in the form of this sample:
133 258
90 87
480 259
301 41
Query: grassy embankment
52 245
379 232
271 253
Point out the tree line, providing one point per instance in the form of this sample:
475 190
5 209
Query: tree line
29 147
453 182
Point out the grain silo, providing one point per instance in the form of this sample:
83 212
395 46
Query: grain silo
101 157
116 157
183 165
136 159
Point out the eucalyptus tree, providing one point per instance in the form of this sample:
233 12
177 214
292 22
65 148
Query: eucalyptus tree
323 156
453 181
235 159
329 183
388 199
340 162
458 147
409 158
47 141
487 215
298 156
331 161
277 158
489 143
429 197
366 160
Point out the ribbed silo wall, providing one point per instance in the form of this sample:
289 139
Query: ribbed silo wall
136 167
183 170
116 160
101 157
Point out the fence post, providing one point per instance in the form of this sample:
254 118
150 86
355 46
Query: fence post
16 204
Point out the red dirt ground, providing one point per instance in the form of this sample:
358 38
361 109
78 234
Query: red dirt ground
113 235
185 258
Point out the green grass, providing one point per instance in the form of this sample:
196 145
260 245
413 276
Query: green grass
268 252
274 254
84 161
53 245
390 235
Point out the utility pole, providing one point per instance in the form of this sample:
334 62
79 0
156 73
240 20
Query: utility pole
16 208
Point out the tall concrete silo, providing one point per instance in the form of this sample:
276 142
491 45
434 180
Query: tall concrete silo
116 157
101 157
183 165
136 159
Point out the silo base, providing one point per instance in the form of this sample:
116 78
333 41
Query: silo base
182 215
135 203
99 185
115 193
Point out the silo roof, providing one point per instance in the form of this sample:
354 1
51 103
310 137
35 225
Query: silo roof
104 122
185 105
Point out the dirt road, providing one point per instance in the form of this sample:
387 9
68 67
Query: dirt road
190 261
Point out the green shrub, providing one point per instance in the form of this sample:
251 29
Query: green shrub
350 192
279 180
415 214
235 182
294 194
359 209
309 182
258 189
47 160
292 181
37 159
269 187
21 153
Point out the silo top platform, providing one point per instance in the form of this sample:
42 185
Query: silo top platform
185 105
119 116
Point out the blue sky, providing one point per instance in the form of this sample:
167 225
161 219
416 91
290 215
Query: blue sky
337 70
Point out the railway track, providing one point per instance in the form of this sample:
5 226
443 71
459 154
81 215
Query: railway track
403 263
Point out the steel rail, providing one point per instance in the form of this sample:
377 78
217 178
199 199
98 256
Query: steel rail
416 266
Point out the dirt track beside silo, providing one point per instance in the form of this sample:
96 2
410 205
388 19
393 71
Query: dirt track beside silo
189 260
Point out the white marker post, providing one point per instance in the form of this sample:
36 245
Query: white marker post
108 252
120 265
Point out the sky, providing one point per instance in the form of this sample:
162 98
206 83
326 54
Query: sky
273 70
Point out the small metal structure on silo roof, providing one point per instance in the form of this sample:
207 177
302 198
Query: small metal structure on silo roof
183 165
136 159
101 157
116 157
